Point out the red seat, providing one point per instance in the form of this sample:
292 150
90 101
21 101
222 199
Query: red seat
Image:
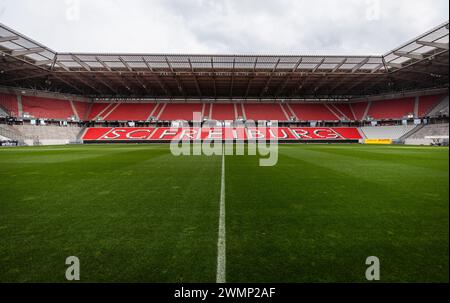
9 102
82 109
264 112
359 109
47 108
427 103
180 111
131 112
313 112
223 112
392 109
96 109
346 110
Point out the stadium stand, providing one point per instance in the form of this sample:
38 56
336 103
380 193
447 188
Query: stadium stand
180 111
3 113
257 112
131 112
97 110
391 109
9 104
359 109
47 108
313 112
440 109
223 112
345 110
428 103
386 132
82 109
48 135
421 137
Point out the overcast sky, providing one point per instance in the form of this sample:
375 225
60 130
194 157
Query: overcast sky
353 27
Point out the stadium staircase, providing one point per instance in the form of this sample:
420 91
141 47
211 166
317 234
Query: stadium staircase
420 137
441 108
4 112
411 133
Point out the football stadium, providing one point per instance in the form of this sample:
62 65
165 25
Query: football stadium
236 168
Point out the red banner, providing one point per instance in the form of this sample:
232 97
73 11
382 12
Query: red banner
169 134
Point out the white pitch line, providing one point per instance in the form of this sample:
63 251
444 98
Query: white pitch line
221 248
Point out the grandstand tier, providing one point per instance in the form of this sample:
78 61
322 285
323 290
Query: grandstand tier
63 109
9 104
47 108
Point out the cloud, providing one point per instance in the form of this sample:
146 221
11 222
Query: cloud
224 26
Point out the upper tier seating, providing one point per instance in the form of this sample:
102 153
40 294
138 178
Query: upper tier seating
427 103
257 112
47 108
346 110
223 112
98 109
180 111
313 112
359 109
392 109
82 109
10 104
131 112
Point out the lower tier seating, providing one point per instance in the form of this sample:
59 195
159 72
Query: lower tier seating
386 132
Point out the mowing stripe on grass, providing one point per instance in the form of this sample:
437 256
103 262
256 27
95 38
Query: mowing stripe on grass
221 249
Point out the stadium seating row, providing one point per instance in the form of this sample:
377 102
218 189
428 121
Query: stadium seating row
47 108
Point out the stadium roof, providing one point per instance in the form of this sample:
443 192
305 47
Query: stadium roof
420 63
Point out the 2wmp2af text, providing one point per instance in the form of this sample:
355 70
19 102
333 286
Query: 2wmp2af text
226 292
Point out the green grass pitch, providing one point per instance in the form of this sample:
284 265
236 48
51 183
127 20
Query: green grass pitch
135 213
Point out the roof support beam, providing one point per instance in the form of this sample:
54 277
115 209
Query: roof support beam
157 78
250 80
103 64
232 78
197 86
84 65
30 51
104 83
9 38
43 62
376 69
288 77
358 66
409 55
214 78
126 64
337 67
434 44
180 87
394 65
88 84
144 86
69 84
318 65
266 85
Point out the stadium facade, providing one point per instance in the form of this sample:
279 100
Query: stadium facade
47 97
